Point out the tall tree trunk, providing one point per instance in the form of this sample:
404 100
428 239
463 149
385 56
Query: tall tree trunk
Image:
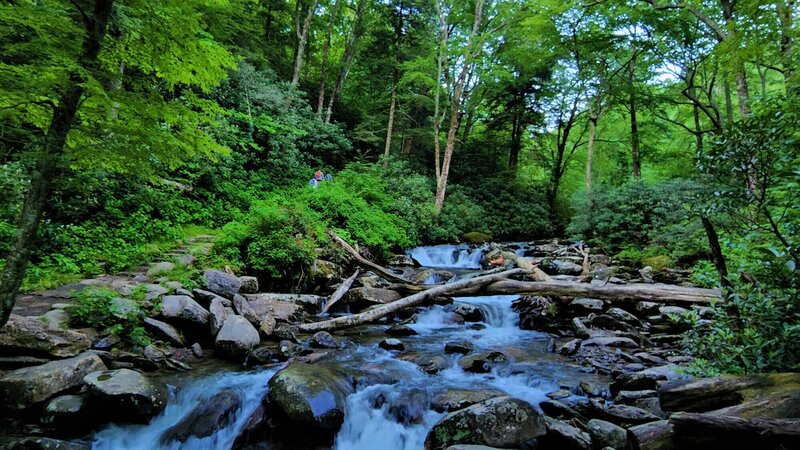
46 170
728 103
389 127
302 36
455 107
635 156
594 116
698 130
323 76
440 61
785 10
348 57
742 91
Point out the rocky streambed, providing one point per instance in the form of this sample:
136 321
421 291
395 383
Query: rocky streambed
503 371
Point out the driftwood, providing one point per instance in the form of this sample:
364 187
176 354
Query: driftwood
631 292
707 394
651 436
384 310
340 291
363 262
759 432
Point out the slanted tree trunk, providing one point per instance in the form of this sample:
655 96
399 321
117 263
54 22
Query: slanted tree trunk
49 158
302 36
348 57
455 108
323 76
389 126
593 118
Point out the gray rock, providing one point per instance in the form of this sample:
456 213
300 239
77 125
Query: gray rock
127 395
160 269
400 331
481 362
243 308
187 260
363 297
22 335
236 338
629 397
470 313
433 364
645 309
570 348
559 410
622 414
586 305
222 283
197 350
218 313
164 331
455 398
68 411
155 291
57 318
311 396
610 341
184 308
124 307
107 342
566 268
174 285
624 316
401 260
646 274
593 389
564 436
581 331
672 311
606 322
40 443
23 388
323 339
209 417
18 362
606 434
462 347
504 422
391 344
249 285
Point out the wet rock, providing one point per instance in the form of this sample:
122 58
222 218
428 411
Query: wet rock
400 331
27 335
267 325
391 344
650 404
610 341
455 398
580 329
651 359
561 267
560 410
622 414
401 260
243 308
222 283
646 379
18 362
470 313
106 342
500 422
594 389
606 434
323 339
481 362
218 313
210 416
183 308
311 397
562 435
629 397
363 297
253 430
537 313
127 395
23 388
676 311
197 350
69 412
432 276
164 332
624 316
645 309
559 394
40 443
462 347
433 364
249 285
570 348
586 306
236 338
159 269
607 322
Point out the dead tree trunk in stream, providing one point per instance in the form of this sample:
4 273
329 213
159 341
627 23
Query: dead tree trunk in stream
413 300
343 288
363 262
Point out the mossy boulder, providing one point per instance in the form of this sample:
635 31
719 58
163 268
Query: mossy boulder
476 237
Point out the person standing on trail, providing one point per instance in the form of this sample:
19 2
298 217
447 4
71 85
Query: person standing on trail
318 175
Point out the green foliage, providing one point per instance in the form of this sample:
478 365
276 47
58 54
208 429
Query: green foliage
768 338
94 307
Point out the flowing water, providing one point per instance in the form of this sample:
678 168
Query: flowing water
387 416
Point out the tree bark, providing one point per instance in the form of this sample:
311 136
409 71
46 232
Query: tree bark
48 159
651 436
339 293
388 147
440 61
384 310
728 102
785 9
636 160
363 262
761 432
627 292
323 76
593 117
348 57
302 37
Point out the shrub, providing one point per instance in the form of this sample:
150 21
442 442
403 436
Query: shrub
94 307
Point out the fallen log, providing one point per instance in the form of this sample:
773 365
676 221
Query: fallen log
630 292
761 432
340 291
384 310
651 436
363 262
707 394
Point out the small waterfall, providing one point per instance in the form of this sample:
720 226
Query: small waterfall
449 256
250 386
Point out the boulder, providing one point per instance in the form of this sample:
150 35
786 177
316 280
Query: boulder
183 308
243 308
284 307
218 313
160 268
400 331
164 332
624 316
28 335
610 341
391 344
580 329
470 313
433 364
323 339
154 291
454 399
222 283
127 395
236 338
57 318
504 422
606 322
561 267
249 285
562 435
622 414
677 311
210 416
401 260
311 397
586 306
570 348
363 297
462 347
476 237
606 434
481 362
69 411
23 388
645 309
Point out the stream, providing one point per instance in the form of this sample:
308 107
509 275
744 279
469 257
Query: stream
397 416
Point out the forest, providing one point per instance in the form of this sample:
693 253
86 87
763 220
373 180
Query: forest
662 134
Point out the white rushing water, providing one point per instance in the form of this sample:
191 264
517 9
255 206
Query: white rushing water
448 256
250 386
